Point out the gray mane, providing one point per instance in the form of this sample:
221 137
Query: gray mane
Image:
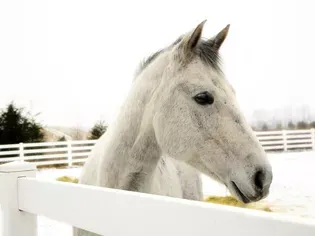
144 63
205 51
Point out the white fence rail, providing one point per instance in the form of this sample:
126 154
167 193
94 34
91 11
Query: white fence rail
116 212
74 152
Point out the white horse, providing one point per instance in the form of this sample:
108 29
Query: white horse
181 118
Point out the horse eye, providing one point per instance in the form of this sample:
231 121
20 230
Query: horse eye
204 98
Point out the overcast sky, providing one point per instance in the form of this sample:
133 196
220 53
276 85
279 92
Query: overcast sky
74 60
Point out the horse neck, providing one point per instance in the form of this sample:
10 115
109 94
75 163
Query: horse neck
131 114
130 143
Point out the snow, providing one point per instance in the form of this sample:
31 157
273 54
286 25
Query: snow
292 191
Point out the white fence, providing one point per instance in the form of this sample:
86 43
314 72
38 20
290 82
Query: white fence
74 152
116 212
287 140
47 153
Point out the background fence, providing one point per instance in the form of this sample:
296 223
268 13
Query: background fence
48 153
70 153
287 140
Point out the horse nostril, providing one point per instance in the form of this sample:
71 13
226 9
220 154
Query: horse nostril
259 178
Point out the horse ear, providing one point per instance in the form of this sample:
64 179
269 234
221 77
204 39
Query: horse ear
191 39
218 40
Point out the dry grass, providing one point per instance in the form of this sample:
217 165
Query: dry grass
230 201
68 179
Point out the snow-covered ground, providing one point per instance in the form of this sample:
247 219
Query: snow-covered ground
292 191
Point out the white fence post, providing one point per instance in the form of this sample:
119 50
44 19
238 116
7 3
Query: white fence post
21 150
69 153
313 138
285 145
14 221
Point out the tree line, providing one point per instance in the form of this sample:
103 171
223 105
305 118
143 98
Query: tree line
300 125
17 125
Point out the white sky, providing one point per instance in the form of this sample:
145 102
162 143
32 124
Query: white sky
74 60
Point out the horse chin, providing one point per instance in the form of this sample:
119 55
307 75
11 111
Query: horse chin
241 195
238 193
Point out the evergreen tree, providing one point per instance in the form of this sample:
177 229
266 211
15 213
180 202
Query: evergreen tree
15 127
291 125
302 125
312 124
265 127
98 130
